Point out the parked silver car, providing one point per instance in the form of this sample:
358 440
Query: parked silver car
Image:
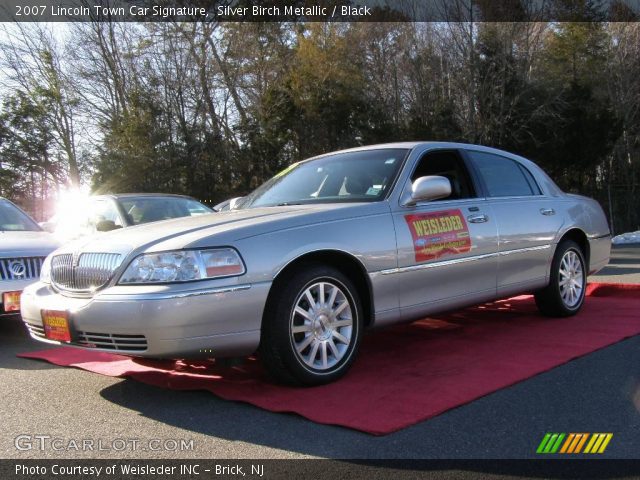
23 248
350 240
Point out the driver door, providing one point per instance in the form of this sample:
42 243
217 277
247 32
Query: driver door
447 249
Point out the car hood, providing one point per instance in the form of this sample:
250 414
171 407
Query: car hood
26 244
226 227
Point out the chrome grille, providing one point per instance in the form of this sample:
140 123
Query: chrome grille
22 268
109 341
93 270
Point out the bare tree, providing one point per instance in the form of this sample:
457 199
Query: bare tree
34 61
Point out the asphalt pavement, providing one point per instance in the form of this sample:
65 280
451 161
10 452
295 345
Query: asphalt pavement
599 392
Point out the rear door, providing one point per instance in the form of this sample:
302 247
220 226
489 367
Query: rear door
446 248
526 218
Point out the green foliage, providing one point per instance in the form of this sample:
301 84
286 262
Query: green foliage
576 53
27 168
323 94
575 137
134 150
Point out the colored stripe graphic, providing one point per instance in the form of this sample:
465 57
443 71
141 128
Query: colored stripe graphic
574 442
605 443
598 442
590 444
574 445
570 438
583 439
550 443
543 443
556 445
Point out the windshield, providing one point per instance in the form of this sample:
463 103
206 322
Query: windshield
12 218
363 176
152 209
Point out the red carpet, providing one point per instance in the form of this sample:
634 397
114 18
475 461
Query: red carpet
409 373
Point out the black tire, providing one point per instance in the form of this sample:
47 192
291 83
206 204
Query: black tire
278 341
550 300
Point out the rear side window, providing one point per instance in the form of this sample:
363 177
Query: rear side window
503 177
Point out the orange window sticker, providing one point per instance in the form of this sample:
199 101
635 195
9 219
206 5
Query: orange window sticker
436 234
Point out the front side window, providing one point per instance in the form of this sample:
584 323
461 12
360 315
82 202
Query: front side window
364 176
446 164
148 209
196 208
502 176
105 211
13 219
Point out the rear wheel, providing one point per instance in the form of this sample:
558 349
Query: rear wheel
312 327
564 296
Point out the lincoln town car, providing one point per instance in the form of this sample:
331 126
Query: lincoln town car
329 247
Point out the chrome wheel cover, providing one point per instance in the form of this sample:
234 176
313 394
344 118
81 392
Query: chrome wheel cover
571 279
321 327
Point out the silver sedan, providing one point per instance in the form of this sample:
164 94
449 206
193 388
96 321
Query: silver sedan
329 247
23 248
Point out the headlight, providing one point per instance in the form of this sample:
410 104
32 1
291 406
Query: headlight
183 266
45 270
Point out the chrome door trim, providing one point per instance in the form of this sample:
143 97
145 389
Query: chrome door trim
598 237
523 250
123 297
443 263
456 261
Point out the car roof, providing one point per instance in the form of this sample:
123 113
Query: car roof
137 195
551 185
414 144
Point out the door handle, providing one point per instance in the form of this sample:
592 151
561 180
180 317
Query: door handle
480 218
547 211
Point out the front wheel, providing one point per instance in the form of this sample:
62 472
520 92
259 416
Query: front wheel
312 327
564 296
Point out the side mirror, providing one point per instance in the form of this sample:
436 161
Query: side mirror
432 187
227 204
233 203
48 226
106 226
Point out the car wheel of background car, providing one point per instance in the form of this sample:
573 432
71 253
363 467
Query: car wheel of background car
564 295
312 326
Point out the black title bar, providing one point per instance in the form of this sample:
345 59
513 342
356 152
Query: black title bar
319 10
30 469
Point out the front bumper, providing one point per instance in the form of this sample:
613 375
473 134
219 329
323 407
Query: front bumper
219 321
